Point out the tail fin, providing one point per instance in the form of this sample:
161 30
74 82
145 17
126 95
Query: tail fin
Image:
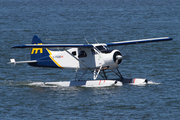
37 53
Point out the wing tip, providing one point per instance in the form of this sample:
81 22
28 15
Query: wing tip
18 46
140 41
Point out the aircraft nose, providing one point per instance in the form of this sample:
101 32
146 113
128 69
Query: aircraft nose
117 57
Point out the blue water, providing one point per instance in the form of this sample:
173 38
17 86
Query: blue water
71 21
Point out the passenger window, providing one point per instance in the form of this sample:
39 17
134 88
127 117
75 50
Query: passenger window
82 54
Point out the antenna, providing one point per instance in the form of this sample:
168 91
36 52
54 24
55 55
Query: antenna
96 40
86 40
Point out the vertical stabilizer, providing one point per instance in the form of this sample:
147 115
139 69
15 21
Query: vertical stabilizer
37 53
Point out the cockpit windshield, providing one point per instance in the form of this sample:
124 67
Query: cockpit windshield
103 49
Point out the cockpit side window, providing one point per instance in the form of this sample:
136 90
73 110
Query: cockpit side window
100 48
93 52
82 54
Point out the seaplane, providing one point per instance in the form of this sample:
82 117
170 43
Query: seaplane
96 58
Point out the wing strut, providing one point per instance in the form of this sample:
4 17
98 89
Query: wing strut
77 59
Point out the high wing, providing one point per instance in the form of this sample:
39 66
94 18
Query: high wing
54 46
90 45
139 41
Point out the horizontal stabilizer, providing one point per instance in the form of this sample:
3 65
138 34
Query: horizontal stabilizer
13 61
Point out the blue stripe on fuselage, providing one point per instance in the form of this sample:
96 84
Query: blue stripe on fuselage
46 62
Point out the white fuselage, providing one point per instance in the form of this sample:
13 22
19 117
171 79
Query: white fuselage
83 58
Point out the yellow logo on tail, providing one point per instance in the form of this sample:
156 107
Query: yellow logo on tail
35 50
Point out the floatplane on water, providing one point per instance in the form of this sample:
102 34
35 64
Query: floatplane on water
97 58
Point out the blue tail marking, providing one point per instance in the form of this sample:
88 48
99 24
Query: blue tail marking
41 55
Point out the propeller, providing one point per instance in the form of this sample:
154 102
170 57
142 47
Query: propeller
117 57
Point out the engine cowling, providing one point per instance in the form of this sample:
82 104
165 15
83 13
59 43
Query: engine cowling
112 59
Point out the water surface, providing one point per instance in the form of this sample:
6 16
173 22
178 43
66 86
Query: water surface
62 21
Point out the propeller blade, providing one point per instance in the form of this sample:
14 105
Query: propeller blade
119 57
